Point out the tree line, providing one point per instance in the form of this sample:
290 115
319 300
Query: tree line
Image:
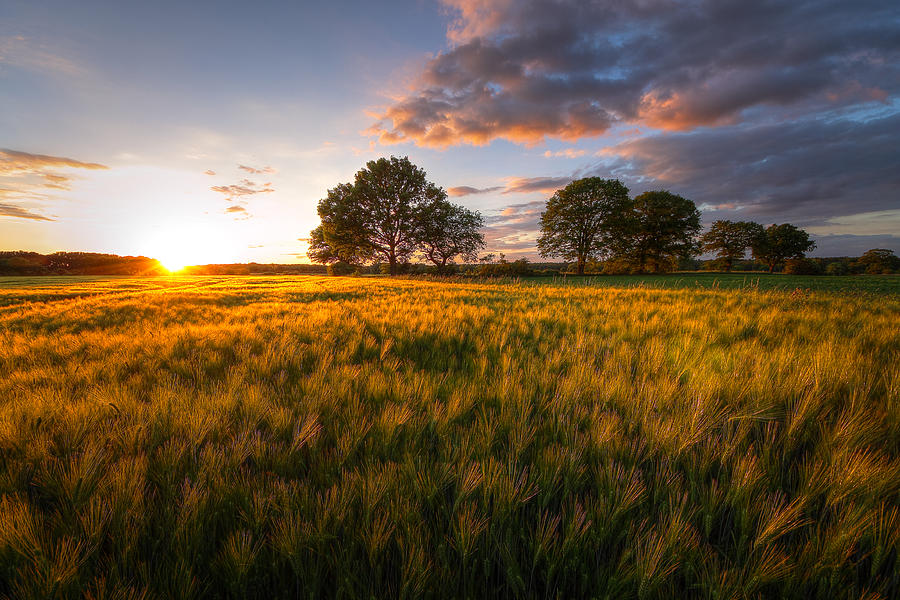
391 213
77 263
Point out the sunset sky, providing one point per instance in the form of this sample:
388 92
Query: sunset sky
207 131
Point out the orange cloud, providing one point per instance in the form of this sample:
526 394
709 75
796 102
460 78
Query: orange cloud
677 112
255 171
567 153
467 190
11 210
13 163
527 185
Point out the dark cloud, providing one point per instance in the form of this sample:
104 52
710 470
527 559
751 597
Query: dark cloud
838 179
530 69
11 210
853 245
806 172
466 190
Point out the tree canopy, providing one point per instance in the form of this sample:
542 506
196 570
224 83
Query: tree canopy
877 261
662 228
778 243
448 230
390 212
730 240
581 219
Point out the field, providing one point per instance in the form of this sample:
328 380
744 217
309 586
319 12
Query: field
316 437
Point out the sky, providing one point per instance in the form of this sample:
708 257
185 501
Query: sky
206 132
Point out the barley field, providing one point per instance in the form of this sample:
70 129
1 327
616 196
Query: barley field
326 437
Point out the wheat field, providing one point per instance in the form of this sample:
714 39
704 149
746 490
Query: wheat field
328 437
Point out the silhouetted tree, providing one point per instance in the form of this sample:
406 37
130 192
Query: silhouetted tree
730 240
448 230
661 228
878 260
778 243
581 219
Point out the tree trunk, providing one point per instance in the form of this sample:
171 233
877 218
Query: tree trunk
772 267
392 263
728 265
581 262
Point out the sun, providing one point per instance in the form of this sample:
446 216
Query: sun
179 246
174 265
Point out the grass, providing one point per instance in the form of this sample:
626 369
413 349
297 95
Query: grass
879 284
233 437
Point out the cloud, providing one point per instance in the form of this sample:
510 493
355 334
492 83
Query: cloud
243 189
838 178
567 153
27 177
15 163
885 222
11 210
20 51
853 245
209 172
516 185
466 190
543 185
806 172
238 193
567 69
514 229
254 171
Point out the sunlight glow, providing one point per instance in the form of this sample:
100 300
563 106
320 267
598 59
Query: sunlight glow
180 245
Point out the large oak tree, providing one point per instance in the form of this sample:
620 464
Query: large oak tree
390 212
582 218
388 196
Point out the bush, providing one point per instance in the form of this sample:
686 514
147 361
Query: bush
517 268
341 268
402 268
802 266
618 267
